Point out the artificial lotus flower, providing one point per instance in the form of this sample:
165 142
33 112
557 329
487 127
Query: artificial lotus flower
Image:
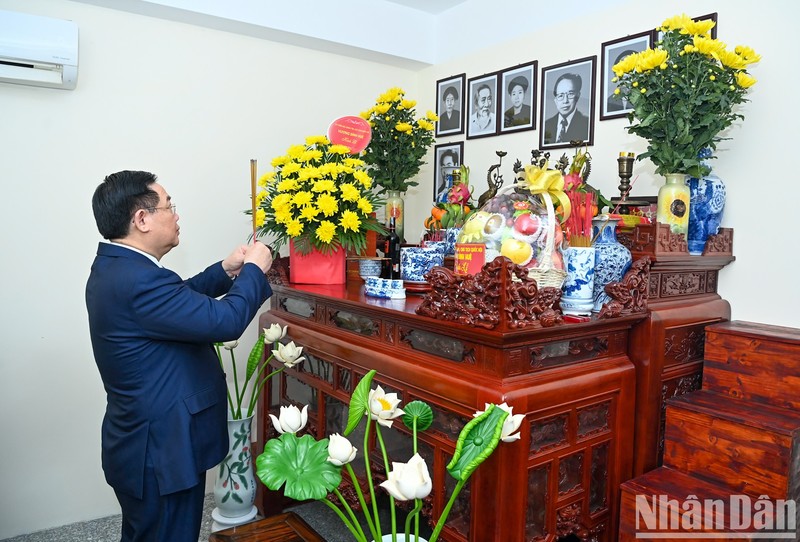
274 333
256 374
511 424
383 406
410 480
288 354
340 450
290 420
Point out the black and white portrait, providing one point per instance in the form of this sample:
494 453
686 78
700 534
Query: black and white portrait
568 104
518 104
450 105
482 121
614 105
449 157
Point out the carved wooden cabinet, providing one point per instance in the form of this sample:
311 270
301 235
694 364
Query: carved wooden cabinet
667 347
575 384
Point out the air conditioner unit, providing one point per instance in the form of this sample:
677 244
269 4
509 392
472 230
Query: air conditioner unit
38 51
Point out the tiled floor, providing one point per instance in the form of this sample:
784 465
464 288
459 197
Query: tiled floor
319 516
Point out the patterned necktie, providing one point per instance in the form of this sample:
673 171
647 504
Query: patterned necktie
562 132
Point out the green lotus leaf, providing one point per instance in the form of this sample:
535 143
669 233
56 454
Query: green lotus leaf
301 464
420 411
476 442
359 402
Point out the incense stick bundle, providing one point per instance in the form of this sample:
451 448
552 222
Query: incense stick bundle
253 174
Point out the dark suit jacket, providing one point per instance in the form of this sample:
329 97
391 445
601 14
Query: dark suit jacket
578 129
152 336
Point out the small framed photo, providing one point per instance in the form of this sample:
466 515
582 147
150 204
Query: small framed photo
482 121
450 106
517 108
448 157
707 17
567 118
612 105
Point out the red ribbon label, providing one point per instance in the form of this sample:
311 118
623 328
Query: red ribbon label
352 132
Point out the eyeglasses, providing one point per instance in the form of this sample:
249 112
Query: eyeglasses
172 208
561 96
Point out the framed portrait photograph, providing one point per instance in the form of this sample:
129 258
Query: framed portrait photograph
517 107
448 157
450 105
613 106
482 119
567 104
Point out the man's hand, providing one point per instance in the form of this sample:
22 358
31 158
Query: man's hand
259 254
233 263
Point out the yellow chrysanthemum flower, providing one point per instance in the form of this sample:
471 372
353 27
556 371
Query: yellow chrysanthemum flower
278 161
302 198
317 140
382 109
364 178
365 114
296 151
290 169
327 204
731 60
698 28
650 58
677 22
748 54
261 217
283 215
626 65
408 104
287 185
403 127
294 228
744 80
425 125
349 192
266 179
431 116
350 221
325 231
707 46
281 201
339 149
364 206
309 213
311 155
260 197
324 185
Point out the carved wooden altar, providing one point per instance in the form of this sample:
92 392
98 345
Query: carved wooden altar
574 383
667 347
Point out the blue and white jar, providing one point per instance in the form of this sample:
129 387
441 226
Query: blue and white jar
416 261
578 291
451 235
707 202
612 259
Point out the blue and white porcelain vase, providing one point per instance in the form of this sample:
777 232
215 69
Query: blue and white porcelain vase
612 259
451 235
578 291
707 202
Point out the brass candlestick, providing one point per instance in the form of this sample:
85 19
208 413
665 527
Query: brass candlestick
625 167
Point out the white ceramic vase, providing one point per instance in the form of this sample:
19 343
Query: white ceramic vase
235 486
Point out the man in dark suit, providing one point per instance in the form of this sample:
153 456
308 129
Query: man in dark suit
450 119
568 124
152 334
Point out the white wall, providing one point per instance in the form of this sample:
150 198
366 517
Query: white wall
192 105
195 105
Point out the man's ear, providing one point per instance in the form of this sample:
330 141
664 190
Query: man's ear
140 222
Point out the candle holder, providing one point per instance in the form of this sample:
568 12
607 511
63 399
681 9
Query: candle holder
625 167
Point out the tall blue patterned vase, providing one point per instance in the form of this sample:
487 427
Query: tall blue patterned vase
612 259
707 201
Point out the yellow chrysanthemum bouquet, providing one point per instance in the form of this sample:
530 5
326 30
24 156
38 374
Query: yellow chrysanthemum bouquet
318 196
399 140
684 92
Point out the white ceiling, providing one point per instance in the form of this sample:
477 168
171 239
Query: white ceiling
410 34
